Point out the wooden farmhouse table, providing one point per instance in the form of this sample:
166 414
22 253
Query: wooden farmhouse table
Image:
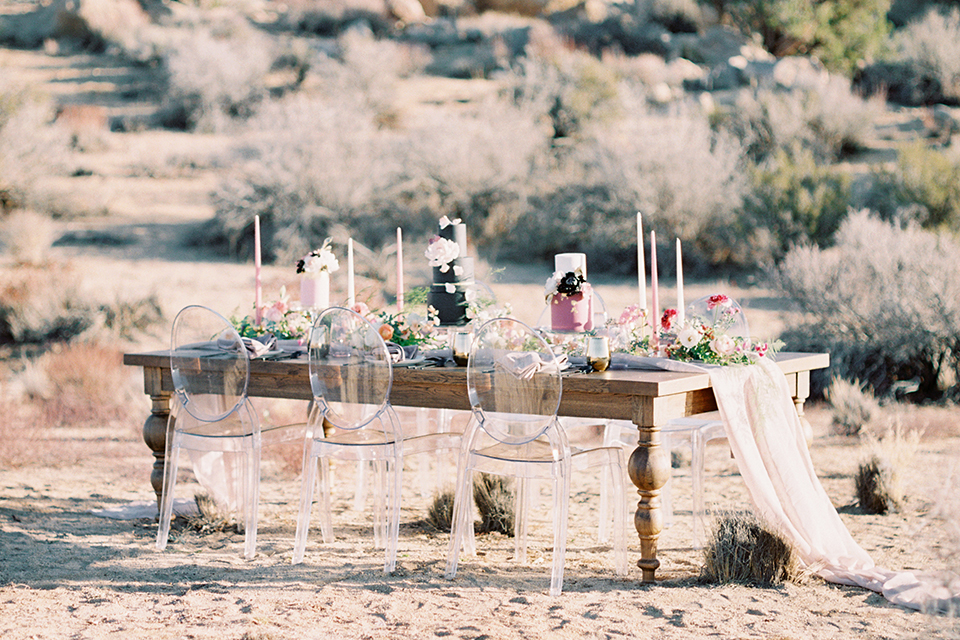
648 398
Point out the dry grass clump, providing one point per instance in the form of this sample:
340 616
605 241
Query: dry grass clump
879 481
878 487
495 501
440 512
853 407
745 550
211 518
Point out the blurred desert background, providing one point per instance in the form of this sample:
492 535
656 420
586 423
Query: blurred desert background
806 156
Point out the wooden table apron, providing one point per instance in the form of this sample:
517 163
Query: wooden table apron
646 398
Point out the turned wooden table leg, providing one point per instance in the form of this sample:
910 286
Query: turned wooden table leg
155 435
649 469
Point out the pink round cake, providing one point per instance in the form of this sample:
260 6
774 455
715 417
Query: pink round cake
572 312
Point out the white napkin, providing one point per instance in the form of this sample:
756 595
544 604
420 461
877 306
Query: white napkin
525 365
399 354
255 348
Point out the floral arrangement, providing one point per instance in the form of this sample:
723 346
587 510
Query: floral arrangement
569 283
319 260
630 333
278 319
404 329
706 339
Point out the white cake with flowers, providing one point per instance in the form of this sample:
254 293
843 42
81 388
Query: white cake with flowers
453 284
569 295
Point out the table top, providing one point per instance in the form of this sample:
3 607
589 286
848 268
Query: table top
648 397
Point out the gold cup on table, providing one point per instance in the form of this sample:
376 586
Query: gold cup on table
598 352
460 345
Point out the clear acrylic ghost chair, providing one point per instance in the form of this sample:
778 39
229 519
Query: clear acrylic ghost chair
695 431
350 377
211 413
515 432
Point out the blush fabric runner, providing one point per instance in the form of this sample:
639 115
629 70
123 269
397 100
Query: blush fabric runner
767 440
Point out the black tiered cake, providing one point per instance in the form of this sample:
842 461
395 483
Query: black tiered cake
452 273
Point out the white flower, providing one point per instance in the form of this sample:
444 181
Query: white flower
446 222
550 287
441 252
723 345
689 337
450 287
319 260
458 271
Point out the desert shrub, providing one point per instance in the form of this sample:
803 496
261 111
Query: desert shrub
884 301
794 200
45 303
639 161
852 406
744 549
214 76
80 384
825 117
27 236
35 307
30 146
440 512
478 164
923 187
88 385
307 166
932 45
368 71
842 33
570 88
494 498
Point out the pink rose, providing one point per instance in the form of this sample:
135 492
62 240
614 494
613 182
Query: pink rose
666 321
360 308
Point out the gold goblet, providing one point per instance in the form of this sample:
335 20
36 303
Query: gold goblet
460 344
598 352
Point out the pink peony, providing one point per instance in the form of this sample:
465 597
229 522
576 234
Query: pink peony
631 315
718 300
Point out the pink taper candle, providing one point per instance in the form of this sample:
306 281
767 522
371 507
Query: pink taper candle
655 309
257 299
351 290
399 270
680 303
641 264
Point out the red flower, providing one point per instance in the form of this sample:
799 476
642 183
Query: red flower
666 321
718 300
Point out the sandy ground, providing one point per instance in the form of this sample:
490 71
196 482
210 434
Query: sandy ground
68 573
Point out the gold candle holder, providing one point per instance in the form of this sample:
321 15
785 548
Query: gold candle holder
598 352
460 345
